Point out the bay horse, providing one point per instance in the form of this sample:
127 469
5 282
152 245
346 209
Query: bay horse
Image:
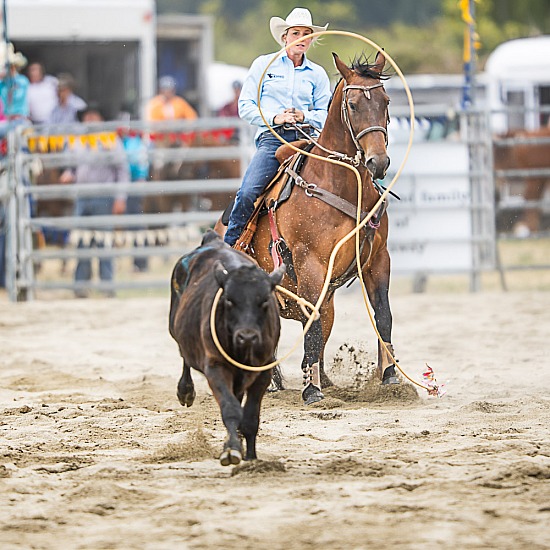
355 132
532 154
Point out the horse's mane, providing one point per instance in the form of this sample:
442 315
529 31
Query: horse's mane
364 68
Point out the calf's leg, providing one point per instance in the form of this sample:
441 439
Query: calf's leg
251 412
186 387
220 380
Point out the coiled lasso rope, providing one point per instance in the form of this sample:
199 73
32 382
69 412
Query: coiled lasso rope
355 232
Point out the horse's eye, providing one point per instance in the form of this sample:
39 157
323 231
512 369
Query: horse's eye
352 107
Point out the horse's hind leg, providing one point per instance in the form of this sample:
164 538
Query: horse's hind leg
277 380
377 282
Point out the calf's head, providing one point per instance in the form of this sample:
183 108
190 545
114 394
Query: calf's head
248 311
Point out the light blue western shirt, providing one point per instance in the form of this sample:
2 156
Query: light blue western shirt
306 88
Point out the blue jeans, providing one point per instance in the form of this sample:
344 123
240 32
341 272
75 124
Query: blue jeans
94 206
260 172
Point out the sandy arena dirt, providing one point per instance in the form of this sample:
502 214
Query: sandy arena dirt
97 453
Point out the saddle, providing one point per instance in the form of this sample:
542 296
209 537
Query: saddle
277 190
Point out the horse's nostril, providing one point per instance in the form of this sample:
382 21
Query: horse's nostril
378 166
371 165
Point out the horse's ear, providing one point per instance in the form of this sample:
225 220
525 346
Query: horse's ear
343 69
379 62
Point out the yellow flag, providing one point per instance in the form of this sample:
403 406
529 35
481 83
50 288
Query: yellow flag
465 9
31 143
56 143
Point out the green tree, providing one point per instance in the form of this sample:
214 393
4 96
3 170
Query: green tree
421 35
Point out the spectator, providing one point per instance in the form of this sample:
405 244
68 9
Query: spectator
68 104
231 109
42 93
138 162
167 105
92 170
14 86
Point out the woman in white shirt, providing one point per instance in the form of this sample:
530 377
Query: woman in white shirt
294 90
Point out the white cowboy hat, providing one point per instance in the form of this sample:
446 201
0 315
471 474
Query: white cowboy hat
9 56
298 17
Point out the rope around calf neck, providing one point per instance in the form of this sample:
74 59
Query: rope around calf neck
301 302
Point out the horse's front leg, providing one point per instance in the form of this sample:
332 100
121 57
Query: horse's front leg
311 363
314 339
327 323
377 282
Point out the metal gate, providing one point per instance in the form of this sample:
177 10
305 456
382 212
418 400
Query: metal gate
172 233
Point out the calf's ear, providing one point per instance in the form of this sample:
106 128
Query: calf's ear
220 273
277 275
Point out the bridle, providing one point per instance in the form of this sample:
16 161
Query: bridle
346 119
360 157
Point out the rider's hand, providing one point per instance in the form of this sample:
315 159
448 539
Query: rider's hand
289 116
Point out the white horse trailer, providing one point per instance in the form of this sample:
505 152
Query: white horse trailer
517 75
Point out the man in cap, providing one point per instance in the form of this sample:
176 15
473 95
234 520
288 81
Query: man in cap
68 103
167 105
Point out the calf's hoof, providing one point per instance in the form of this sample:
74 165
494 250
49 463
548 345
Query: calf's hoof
312 394
187 398
230 457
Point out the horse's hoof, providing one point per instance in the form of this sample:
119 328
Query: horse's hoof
312 394
277 381
187 398
390 376
230 457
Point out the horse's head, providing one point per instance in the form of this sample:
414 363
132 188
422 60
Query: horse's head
364 110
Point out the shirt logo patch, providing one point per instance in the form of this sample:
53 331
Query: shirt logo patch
272 75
